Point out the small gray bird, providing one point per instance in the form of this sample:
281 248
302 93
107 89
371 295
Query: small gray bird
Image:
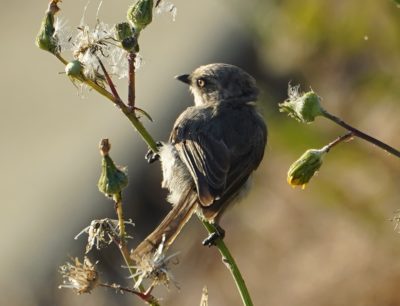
213 149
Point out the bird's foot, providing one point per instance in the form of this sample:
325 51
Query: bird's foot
152 156
213 237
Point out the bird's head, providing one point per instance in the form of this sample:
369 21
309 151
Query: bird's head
216 83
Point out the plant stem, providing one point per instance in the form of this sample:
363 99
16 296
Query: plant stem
146 296
362 135
338 140
125 252
230 263
104 92
131 77
121 222
128 112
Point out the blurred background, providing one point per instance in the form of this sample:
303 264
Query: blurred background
330 244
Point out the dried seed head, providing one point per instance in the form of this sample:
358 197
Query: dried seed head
82 278
102 232
155 267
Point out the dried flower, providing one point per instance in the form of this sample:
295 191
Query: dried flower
113 178
155 267
102 232
82 278
303 107
166 6
63 34
303 169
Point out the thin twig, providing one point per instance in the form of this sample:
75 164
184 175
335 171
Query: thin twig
146 296
131 79
104 92
126 110
110 83
338 140
362 135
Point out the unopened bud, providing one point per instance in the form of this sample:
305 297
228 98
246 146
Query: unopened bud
304 107
46 40
113 178
125 35
73 68
140 14
303 169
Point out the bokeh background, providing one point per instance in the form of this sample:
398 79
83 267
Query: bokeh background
331 244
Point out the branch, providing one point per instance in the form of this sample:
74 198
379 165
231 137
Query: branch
230 263
362 135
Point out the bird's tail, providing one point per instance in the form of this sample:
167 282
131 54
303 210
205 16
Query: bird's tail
169 228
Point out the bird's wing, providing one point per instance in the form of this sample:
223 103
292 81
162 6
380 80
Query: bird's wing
208 161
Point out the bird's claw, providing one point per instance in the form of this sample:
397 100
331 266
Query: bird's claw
152 156
213 237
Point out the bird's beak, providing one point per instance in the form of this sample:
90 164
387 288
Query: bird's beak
183 78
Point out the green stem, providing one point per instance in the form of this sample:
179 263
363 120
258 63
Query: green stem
125 252
230 263
121 222
338 140
147 138
361 135
128 112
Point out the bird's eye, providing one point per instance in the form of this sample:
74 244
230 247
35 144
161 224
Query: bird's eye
201 83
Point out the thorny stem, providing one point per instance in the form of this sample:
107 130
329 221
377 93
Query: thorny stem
146 296
131 82
230 263
338 140
361 135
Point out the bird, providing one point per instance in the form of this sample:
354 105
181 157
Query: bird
213 149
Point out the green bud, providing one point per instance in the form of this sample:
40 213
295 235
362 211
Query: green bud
303 169
45 39
113 178
125 35
123 30
304 107
140 14
74 68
